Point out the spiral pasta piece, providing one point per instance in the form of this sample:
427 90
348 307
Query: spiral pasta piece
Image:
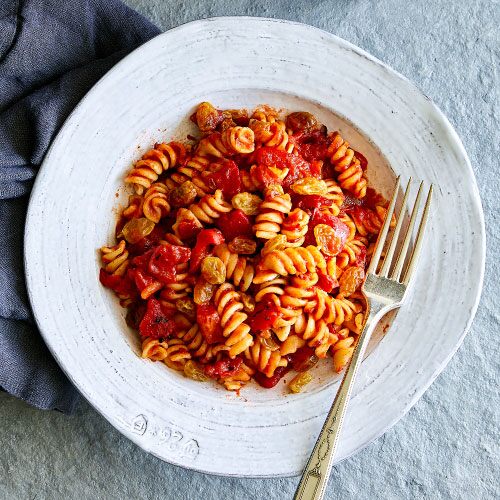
264 359
238 379
295 227
249 181
234 328
115 258
192 171
331 309
335 194
283 326
294 260
176 355
315 333
233 140
153 163
355 325
238 269
154 349
265 113
300 291
178 290
342 353
370 221
353 251
350 174
271 134
331 268
274 287
194 341
272 210
134 207
156 203
210 207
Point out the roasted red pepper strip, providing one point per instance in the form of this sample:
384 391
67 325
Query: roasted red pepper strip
142 280
223 368
327 283
303 359
321 217
226 178
235 223
312 145
122 285
309 202
272 157
164 260
265 314
209 323
156 323
206 239
270 382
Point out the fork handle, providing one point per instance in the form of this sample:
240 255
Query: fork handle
317 471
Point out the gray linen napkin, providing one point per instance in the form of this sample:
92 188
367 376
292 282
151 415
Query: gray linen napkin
51 53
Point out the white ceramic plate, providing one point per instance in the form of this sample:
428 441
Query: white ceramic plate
237 62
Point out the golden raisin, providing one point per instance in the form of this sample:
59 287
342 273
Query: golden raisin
203 291
186 305
301 121
276 243
242 245
247 202
207 117
136 229
240 116
185 215
327 240
299 381
262 130
310 185
213 270
194 371
183 195
351 280
268 342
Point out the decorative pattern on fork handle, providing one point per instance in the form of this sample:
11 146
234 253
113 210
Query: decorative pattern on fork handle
313 477
317 471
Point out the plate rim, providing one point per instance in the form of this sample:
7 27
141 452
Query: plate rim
68 122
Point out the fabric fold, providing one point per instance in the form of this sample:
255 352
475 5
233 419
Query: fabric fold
51 53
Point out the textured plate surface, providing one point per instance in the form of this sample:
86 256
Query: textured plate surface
147 97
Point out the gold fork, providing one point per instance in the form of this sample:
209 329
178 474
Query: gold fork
383 290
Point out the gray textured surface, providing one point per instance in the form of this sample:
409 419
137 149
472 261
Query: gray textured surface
448 444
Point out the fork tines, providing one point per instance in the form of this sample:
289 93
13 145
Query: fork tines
400 272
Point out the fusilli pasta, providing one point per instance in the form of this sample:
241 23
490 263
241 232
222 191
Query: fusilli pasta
153 163
241 257
272 213
350 174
